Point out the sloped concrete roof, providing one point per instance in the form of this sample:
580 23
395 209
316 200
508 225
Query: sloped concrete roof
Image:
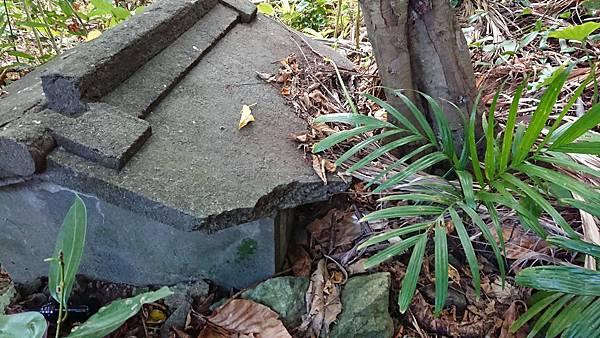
145 117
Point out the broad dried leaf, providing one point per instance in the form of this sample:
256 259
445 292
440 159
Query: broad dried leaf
244 318
510 316
343 224
299 260
246 117
323 302
93 35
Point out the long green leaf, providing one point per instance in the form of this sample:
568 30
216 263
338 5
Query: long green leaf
510 127
443 127
394 234
575 245
541 201
540 116
384 149
590 208
466 183
403 211
560 179
112 316
570 314
534 310
549 314
25 324
441 267
421 164
353 120
589 323
420 117
391 251
472 143
435 198
409 283
398 163
394 113
585 123
344 89
566 162
487 234
490 149
69 244
565 279
339 137
590 148
566 109
468 249
497 225
364 143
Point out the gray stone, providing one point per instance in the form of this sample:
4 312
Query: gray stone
103 134
365 301
246 9
284 295
144 89
180 303
197 198
124 247
92 70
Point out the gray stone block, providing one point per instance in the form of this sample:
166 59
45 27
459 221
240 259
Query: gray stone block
103 134
245 8
147 86
125 247
93 69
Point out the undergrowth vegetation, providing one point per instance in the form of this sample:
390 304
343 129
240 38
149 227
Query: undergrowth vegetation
519 170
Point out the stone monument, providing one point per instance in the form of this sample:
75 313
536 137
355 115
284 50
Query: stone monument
142 124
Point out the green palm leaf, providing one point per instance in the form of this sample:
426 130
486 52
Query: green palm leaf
534 310
419 165
382 151
395 113
468 249
510 127
391 251
570 314
403 211
441 267
393 234
409 283
341 136
363 144
564 279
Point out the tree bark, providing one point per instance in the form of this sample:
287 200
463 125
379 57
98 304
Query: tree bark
419 45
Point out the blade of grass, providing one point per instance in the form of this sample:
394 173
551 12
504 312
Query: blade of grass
510 127
391 251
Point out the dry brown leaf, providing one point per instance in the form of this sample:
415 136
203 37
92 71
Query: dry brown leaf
344 225
244 318
510 316
318 165
323 303
286 90
520 243
300 261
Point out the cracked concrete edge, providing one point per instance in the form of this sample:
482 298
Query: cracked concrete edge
281 197
246 9
93 69
24 149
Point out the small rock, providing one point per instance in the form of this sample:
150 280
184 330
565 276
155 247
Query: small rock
365 301
180 303
284 295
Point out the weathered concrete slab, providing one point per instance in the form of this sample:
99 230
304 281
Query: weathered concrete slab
180 202
125 246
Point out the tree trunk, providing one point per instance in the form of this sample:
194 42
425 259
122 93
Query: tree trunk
419 45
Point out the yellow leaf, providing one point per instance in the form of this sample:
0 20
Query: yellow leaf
92 35
247 116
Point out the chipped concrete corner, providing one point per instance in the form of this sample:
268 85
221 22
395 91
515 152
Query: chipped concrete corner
142 123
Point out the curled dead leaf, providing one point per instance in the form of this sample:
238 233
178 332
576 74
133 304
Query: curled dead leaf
318 165
246 117
240 318
323 303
